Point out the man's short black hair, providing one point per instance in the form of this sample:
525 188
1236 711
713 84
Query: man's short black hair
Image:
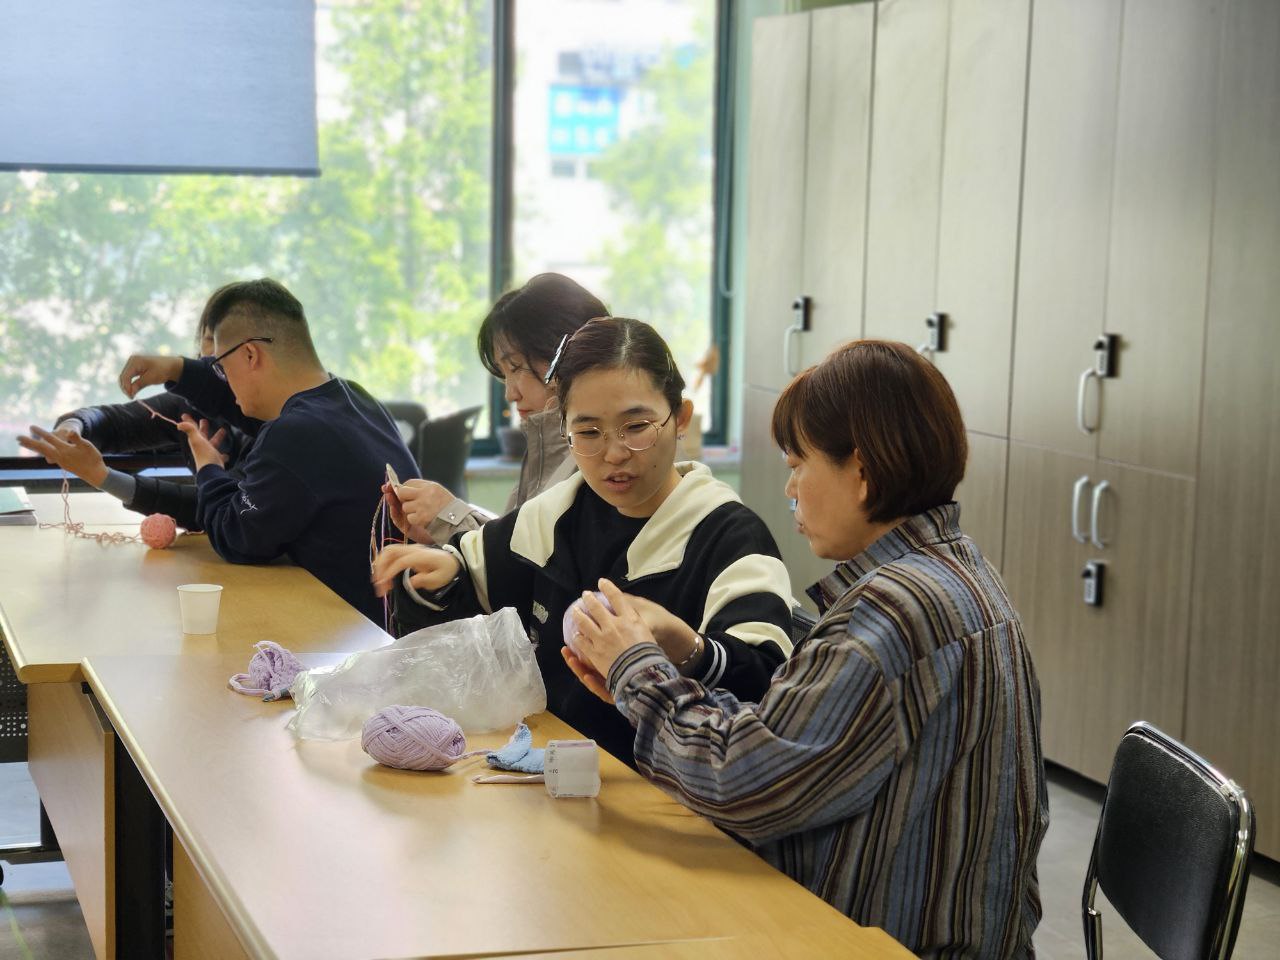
253 297
269 309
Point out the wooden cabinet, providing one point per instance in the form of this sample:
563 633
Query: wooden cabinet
1234 660
981 495
1066 204
945 180
810 114
810 107
906 163
775 202
1115 228
763 485
1160 217
840 54
1100 667
1047 177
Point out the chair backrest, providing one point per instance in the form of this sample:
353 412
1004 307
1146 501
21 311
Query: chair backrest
1172 850
409 417
802 621
443 447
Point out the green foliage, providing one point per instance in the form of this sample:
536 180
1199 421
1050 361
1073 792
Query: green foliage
387 250
659 182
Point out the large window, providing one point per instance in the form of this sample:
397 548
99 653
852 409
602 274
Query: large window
614 127
388 250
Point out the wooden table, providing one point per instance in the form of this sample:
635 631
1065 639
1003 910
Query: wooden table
62 599
310 850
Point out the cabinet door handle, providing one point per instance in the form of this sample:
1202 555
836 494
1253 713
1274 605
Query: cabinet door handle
1095 524
1077 494
802 307
787 339
1085 427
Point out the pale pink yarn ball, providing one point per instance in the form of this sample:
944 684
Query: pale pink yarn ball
158 531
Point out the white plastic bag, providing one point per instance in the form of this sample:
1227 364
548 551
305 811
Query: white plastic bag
481 672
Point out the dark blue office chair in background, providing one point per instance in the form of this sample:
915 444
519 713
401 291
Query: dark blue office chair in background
443 447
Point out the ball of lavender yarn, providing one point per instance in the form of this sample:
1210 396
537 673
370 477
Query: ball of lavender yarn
413 738
272 670
569 626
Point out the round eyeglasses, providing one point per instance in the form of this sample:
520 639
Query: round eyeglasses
636 436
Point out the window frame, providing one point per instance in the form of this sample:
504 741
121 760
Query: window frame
502 205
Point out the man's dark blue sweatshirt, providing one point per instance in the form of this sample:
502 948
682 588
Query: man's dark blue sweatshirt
310 485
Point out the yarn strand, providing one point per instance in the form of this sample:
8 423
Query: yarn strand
379 538
156 413
76 528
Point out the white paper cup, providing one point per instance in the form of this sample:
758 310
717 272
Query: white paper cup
199 604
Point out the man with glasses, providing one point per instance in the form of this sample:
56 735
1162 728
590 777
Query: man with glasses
312 482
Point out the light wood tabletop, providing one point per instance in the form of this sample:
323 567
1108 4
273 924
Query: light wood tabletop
63 598
312 850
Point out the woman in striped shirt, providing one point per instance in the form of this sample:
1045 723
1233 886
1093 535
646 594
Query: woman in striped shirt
893 766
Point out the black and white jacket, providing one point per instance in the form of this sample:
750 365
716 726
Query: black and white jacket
703 555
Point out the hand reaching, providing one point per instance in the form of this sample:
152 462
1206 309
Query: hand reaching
68 450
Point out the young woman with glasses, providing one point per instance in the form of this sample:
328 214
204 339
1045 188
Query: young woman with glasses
701 568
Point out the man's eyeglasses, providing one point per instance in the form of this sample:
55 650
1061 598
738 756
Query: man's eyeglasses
217 361
636 436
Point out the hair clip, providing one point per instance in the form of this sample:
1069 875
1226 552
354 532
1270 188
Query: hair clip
555 361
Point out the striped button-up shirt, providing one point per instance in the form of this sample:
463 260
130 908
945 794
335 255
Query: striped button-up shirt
893 766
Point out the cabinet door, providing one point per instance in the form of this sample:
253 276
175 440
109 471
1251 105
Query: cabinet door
1234 675
1042 564
981 495
1160 226
1070 143
978 219
1100 667
775 191
764 478
836 178
906 165
1137 668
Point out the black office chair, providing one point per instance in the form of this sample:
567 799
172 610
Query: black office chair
443 447
1172 850
802 621
409 417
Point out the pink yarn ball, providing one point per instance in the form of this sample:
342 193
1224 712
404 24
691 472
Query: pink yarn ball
569 626
412 738
158 531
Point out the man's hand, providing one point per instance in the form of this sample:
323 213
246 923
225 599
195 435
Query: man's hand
203 450
432 568
422 501
70 451
142 370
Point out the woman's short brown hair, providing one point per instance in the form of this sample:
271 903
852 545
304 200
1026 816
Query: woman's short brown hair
884 400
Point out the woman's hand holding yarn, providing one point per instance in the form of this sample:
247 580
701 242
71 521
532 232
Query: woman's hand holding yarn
433 568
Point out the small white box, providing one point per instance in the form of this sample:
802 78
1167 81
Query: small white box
571 768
